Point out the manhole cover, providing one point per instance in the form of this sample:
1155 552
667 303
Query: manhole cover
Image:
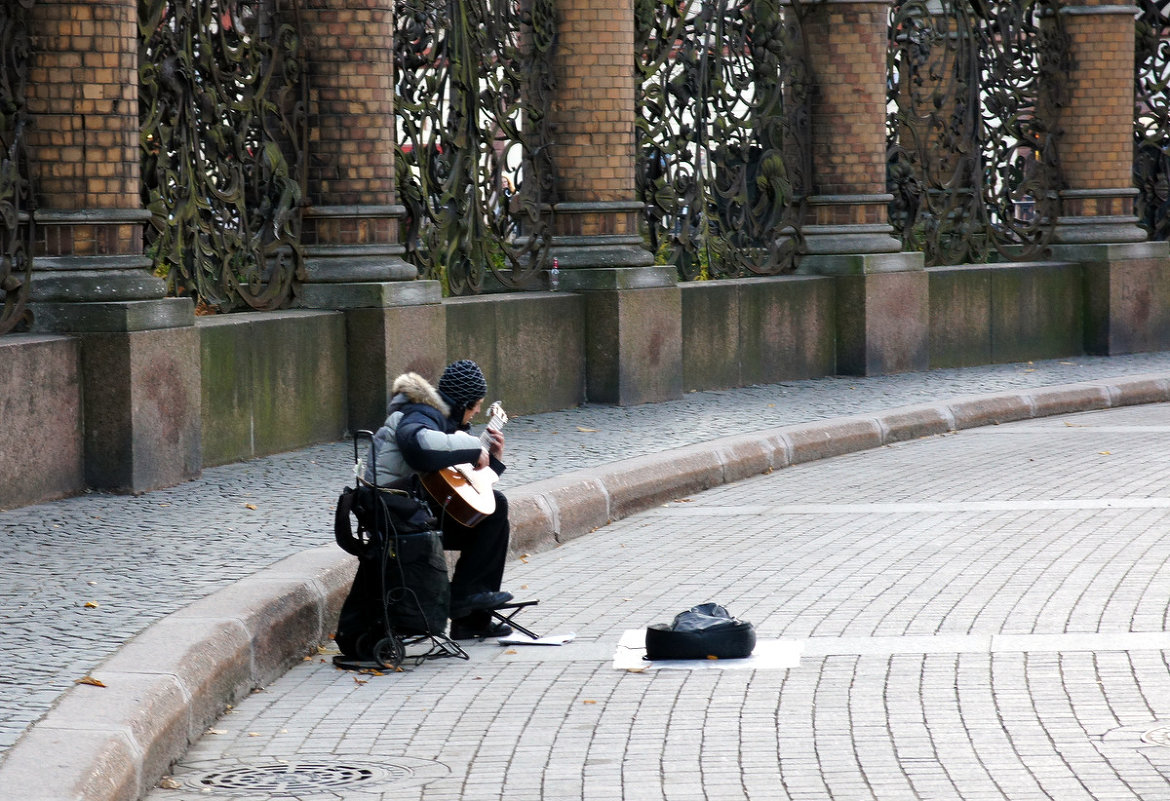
306 776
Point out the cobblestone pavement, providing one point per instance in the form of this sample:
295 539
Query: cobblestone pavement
977 616
84 574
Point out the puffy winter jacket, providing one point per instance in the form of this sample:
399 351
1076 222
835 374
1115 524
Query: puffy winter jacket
418 435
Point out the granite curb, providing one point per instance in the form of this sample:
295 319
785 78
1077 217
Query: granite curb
112 740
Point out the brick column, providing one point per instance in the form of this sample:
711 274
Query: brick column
634 347
882 309
351 226
592 121
1126 276
140 350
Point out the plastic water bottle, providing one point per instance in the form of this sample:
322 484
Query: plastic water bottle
554 277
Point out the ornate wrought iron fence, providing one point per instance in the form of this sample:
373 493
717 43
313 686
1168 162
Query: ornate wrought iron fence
1151 158
16 225
474 79
975 90
722 133
223 136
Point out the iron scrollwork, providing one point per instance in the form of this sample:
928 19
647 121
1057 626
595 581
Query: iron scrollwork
975 90
474 83
223 135
16 225
1152 118
722 133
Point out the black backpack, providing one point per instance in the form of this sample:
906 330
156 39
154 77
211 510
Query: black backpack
401 584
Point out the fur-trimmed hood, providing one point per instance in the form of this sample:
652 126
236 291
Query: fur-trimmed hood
416 389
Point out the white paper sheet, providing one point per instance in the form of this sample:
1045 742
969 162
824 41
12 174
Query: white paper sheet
548 639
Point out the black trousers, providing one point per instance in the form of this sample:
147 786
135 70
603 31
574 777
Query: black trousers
483 550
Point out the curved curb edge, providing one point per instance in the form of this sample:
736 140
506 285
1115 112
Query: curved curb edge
165 686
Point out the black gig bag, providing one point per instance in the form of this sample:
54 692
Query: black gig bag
707 631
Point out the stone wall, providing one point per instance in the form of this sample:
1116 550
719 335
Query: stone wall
278 381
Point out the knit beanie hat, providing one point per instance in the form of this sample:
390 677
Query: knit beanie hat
463 383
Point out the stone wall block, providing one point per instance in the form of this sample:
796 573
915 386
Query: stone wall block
143 424
1036 311
530 346
274 381
882 323
711 346
633 351
960 316
40 419
787 328
382 344
1127 306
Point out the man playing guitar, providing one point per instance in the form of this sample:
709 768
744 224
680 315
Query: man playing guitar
425 431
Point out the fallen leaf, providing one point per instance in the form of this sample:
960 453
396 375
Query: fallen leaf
712 657
510 651
251 506
90 680
589 701
585 430
217 731
1105 453
90 605
253 734
356 680
167 783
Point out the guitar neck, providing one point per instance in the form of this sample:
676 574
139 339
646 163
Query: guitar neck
495 424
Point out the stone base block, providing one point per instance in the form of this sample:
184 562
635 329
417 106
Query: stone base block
369 295
113 316
882 323
1127 300
384 343
40 419
634 345
142 408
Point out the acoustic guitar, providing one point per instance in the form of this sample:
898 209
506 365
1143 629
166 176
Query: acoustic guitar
463 491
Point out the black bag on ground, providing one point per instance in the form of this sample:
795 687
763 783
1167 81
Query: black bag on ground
401 582
702 632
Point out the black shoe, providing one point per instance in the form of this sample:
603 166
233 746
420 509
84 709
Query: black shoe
461 607
469 631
